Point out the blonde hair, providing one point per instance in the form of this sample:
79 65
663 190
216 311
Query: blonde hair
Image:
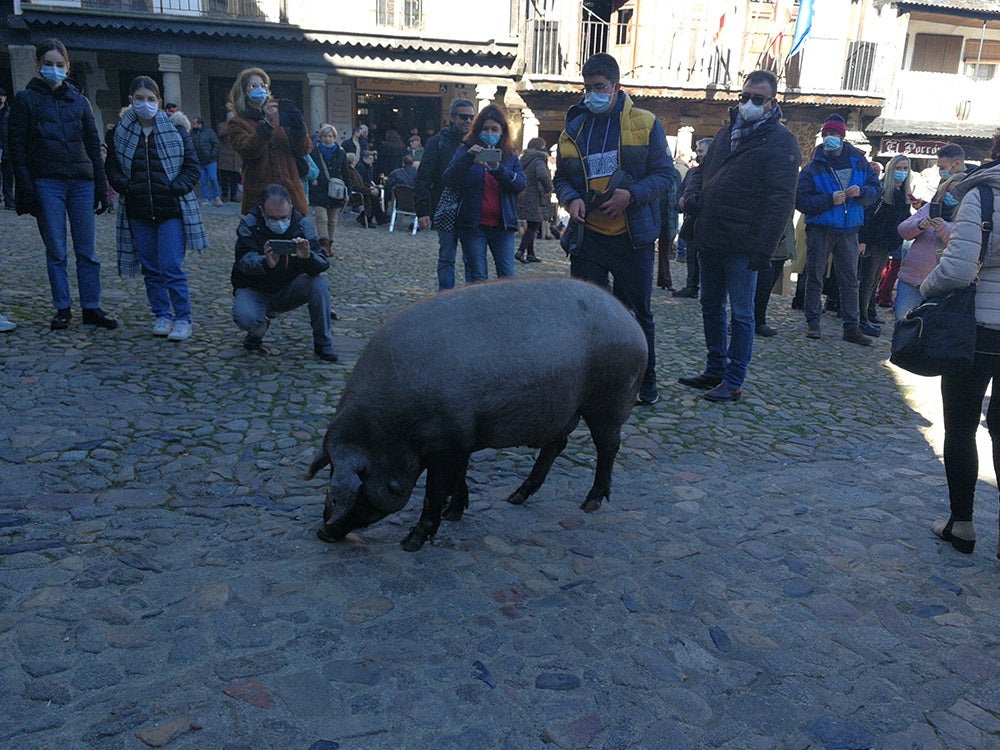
237 101
328 129
889 177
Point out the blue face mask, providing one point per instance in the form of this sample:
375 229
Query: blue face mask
597 102
944 174
490 139
278 226
258 95
949 200
832 143
52 74
900 176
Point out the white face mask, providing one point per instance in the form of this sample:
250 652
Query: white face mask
751 112
145 110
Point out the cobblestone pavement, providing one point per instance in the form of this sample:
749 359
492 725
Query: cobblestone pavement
764 576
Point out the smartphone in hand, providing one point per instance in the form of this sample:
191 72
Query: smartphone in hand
934 210
282 247
489 155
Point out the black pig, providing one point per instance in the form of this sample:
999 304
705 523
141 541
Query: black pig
493 365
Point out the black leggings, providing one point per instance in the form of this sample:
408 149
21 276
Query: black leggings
531 230
962 400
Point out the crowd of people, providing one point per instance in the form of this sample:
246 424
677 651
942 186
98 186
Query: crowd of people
729 216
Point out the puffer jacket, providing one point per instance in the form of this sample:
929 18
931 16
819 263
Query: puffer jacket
464 175
922 256
533 202
743 197
642 154
52 134
148 193
959 264
206 144
818 182
250 269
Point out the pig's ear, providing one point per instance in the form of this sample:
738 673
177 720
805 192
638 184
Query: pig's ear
395 488
322 459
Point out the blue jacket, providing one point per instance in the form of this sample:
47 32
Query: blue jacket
464 175
642 154
818 182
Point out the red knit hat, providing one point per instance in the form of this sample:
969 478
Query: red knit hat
835 124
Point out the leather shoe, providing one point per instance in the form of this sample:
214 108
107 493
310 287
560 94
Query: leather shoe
330 356
704 382
97 317
855 336
763 329
961 534
686 292
61 321
723 393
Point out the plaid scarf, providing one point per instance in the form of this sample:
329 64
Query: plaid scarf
743 129
170 148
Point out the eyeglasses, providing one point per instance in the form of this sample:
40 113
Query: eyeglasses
758 99
467 118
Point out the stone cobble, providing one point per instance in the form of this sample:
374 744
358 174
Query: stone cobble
763 577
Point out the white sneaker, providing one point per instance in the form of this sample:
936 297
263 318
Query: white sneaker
217 201
6 325
180 331
163 326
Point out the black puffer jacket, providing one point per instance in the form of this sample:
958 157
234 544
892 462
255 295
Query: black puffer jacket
148 194
251 270
336 166
52 134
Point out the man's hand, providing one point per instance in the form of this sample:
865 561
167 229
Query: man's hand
100 205
424 222
302 249
617 204
853 191
577 210
270 257
839 197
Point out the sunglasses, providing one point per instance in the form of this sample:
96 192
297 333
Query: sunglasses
467 118
758 99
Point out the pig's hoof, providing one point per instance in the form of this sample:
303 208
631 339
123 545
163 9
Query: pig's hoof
414 541
591 504
323 535
454 511
517 497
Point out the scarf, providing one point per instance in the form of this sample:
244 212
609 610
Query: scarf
170 148
327 151
743 129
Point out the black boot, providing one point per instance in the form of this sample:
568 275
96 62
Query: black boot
61 321
97 317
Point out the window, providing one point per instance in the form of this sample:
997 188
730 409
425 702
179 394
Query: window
623 27
981 58
400 14
937 53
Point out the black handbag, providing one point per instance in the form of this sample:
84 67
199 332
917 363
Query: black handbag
938 336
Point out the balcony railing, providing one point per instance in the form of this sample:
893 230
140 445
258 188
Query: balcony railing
668 58
944 97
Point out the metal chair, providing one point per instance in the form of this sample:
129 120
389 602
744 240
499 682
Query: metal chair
356 202
403 205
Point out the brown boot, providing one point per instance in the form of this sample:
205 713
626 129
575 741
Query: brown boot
324 245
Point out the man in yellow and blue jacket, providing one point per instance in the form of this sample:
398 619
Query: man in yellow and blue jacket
612 168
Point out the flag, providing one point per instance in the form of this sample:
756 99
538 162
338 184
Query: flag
780 17
803 27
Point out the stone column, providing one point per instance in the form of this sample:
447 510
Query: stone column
529 126
170 67
317 100
485 93
22 66
685 140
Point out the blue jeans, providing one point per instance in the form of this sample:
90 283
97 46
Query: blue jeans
252 308
447 250
210 181
632 271
500 241
907 297
161 253
729 276
56 200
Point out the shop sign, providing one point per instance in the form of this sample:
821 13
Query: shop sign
926 149
397 86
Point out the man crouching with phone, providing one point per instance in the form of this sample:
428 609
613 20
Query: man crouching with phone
279 267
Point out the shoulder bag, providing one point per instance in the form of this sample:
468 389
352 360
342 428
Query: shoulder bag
447 210
336 188
938 336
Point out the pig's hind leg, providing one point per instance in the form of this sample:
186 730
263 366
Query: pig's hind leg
443 471
607 439
459 496
546 457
